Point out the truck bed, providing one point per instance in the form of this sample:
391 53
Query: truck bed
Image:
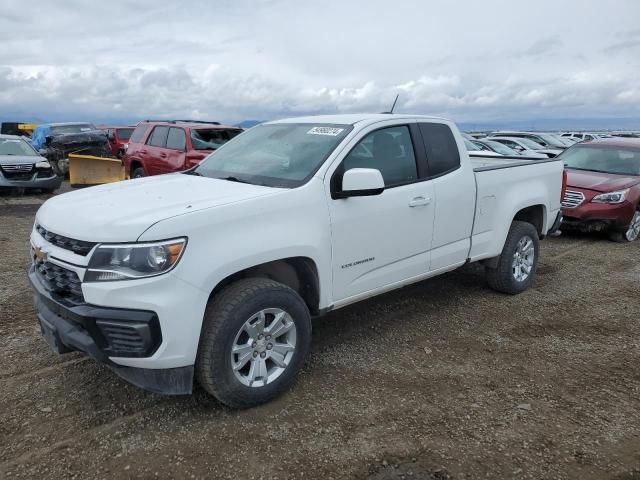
481 163
503 187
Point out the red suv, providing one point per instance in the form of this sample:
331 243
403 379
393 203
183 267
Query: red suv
603 187
118 138
158 147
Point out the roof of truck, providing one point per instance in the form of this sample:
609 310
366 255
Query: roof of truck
353 118
623 142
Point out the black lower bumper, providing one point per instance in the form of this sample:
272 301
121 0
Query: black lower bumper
108 332
556 224
592 225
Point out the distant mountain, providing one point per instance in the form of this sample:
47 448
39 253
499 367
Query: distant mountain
249 123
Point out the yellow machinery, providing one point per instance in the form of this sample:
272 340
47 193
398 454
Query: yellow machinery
27 128
87 170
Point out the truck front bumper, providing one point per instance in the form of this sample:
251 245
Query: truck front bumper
103 332
49 182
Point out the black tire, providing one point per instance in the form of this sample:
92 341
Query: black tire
223 319
622 236
48 190
138 172
502 278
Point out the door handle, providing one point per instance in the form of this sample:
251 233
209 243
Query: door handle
419 201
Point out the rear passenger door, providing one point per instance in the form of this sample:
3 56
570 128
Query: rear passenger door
455 195
175 150
156 150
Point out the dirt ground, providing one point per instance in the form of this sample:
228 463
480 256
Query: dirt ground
441 380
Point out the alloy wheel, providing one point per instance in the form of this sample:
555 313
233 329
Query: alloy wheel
264 347
523 259
634 227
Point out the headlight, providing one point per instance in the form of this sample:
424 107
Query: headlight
134 260
611 197
43 164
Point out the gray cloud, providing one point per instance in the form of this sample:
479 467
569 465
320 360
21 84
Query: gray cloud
232 60
544 46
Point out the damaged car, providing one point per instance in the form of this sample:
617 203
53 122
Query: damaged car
55 141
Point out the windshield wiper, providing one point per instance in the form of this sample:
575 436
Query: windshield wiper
234 179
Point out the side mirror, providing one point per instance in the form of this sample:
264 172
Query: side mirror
518 148
361 182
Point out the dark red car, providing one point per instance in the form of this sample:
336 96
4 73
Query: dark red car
603 187
158 147
118 138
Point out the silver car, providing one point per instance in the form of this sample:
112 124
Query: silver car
22 167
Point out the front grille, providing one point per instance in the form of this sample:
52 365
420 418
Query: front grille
122 338
17 168
20 171
77 246
59 280
572 199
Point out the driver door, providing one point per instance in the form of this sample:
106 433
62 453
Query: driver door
380 240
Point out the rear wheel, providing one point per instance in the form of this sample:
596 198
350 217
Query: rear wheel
518 261
255 338
138 172
631 234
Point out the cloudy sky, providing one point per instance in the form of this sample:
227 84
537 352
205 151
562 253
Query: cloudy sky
473 61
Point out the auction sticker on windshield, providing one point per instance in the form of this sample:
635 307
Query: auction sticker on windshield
331 131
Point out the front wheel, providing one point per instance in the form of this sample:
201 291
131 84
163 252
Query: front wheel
138 173
631 234
255 338
518 261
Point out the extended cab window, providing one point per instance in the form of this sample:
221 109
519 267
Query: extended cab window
176 139
158 137
389 150
442 150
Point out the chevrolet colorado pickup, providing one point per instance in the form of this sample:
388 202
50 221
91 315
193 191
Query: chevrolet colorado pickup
214 274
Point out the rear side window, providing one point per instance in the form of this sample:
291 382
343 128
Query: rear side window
176 140
138 133
158 137
211 139
442 150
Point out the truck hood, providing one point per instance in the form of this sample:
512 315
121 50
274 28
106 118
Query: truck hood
600 182
20 159
121 212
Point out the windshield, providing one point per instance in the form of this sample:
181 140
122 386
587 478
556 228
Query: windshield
551 140
530 144
500 148
620 161
471 147
275 155
124 133
16 146
75 128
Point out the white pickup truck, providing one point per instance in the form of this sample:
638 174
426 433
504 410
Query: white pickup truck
214 274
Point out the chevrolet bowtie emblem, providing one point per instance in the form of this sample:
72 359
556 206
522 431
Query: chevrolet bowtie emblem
40 254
